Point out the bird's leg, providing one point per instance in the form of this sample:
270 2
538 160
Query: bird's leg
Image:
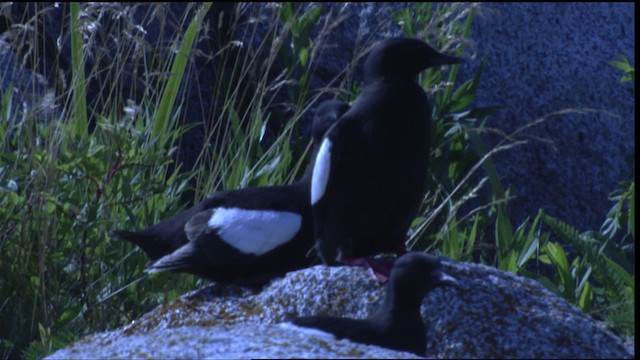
380 268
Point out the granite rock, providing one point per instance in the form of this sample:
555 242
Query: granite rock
544 58
495 314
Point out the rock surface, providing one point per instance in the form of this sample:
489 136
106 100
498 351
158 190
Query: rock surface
546 58
494 315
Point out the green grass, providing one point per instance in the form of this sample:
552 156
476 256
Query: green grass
63 188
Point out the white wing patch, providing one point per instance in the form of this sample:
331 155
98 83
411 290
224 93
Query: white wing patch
321 171
255 231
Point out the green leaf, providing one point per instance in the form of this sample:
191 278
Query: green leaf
560 262
180 61
9 112
621 272
489 166
508 263
35 282
49 208
472 235
585 300
286 12
558 257
543 280
308 20
79 120
466 92
624 65
453 242
14 199
504 232
303 55
69 314
531 243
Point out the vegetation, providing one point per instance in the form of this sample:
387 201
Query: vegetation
66 181
599 279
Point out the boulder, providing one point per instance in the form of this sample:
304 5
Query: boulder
495 314
545 58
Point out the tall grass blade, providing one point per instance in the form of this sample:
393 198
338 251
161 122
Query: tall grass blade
79 98
177 72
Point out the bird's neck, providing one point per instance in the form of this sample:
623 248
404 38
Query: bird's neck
308 172
306 177
388 78
396 306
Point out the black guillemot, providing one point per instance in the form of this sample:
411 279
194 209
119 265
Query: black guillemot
397 324
371 171
245 236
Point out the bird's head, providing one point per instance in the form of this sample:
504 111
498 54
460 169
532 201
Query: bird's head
325 116
417 273
403 58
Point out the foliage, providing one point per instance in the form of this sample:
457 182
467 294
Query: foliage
244 150
445 28
602 281
62 195
599 280
64 184
623 64
63 187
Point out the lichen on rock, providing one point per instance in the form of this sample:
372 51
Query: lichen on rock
494 314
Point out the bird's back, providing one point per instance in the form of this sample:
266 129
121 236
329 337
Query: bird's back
381 169
370 331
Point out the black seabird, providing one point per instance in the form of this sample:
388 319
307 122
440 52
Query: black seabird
371 171
397 324
245 236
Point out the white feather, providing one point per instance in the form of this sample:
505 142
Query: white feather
255 231
321 171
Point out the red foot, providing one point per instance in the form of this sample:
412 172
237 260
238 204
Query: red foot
379 268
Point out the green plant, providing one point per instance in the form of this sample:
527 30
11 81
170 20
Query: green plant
623 64
515 249
571 279
593 281
78 82
599 280
301 46
65 189
613 281
242 148
458 244
458 151
445 28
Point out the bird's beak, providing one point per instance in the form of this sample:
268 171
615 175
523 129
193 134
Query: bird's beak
443 59
447 280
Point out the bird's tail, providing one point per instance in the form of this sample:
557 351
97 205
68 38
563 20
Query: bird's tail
148 243
181 260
